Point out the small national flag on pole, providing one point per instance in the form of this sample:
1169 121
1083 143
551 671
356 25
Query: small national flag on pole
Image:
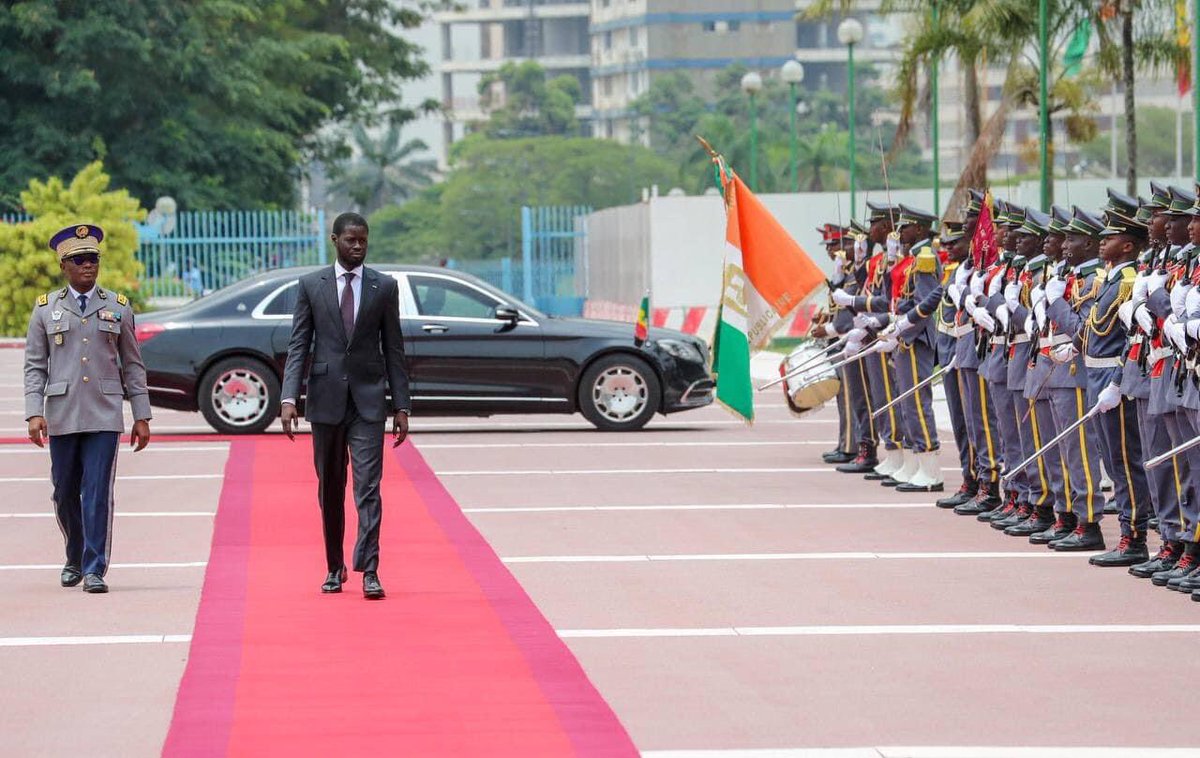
1183 38
983 244
641 330
767 275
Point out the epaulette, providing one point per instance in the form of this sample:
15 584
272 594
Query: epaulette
926 261
43 299
1128 274
122 300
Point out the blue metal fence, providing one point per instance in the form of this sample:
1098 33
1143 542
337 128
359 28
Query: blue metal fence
553 240
505 274
208 250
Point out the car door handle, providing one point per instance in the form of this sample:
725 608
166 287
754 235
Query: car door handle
435 328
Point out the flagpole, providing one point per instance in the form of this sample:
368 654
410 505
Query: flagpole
933 86
1043 96
1195 87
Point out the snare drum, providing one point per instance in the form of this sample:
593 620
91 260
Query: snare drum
815 385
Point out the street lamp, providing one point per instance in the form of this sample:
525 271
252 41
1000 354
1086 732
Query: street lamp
752 83
793 73
850 33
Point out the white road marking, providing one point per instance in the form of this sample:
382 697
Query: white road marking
731 507
585 444
130 478
126 514
612 471
116 639
114 566
849 556
158 446
881 630
933 752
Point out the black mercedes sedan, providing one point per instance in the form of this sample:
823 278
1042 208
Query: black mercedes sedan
472 350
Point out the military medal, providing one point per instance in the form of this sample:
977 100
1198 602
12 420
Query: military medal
58 339
57 315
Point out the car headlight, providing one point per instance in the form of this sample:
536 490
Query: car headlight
684 351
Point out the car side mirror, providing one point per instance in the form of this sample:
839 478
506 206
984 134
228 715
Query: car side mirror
507 313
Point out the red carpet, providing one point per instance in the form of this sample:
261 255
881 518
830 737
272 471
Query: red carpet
456 661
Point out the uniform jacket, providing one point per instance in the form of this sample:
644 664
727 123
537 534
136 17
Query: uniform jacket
79 367
363 364
1066 316
1104 334
920 293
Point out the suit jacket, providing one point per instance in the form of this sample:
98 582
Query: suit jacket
79 367
362 365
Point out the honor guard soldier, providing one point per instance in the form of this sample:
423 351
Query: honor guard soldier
831 324
81 361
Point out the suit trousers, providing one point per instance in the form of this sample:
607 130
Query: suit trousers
82 468
360 443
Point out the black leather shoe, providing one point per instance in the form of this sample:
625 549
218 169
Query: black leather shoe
1041 520
1164 560
910 487
1129 551
1023 511
875 477
1064 524
1004 508
838 457
94 584
965 494
1186 564
864 463
372 589
890 482
1189 583
71 576
333 582
1085 537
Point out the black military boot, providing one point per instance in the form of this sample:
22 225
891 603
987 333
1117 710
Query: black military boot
1064 524
986 500
1128 552
837 456
1185 566
966 492
1085 537
1189 583
1023 511
1164 560
1008 508
863 463
1041 520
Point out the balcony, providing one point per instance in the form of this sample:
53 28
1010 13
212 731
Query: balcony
487 65
548 10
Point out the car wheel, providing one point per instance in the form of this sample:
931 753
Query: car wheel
619 393
239 396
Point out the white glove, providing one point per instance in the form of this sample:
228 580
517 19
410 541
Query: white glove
1154 282
903 326
1109 398
962 275
857 334
1144 318
976 286
829 330
839 274
860 249
1064 353
956 292
893 247
995 286
863 320
1193 328
984 319
886 344
1029 325
1037 295
1055 289
1002 316
852 348
1139 287
1179 295
1191 304
1039 314
1012 295
1175 332
842 298
1125 313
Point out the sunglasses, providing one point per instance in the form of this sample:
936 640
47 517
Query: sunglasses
84 258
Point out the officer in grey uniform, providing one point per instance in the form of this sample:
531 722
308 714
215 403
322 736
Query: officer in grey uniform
831 324
1068 302
81 361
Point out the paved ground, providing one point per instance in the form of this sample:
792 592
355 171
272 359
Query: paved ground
725 590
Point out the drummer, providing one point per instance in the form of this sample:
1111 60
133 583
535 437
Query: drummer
831 324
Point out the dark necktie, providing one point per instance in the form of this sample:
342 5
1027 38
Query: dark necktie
348 305
83 303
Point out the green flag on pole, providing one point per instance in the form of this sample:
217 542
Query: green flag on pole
1077 48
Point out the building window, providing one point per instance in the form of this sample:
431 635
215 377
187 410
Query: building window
633 36
608 40
606 85
721 27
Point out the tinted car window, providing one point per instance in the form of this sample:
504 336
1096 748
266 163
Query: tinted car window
283 303
445 297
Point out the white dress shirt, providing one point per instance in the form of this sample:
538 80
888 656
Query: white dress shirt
91 294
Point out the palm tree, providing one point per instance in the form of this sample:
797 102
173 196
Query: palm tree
385 170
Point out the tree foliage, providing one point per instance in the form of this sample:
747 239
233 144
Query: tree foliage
385 170
28 268
214 103
522 102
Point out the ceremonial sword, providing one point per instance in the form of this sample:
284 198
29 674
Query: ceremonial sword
1061 436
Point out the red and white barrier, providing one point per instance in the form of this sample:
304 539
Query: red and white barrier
699 320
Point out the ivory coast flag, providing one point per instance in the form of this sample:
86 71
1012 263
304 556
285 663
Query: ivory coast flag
641 330
767 274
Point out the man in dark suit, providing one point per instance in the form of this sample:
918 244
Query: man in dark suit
347 320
